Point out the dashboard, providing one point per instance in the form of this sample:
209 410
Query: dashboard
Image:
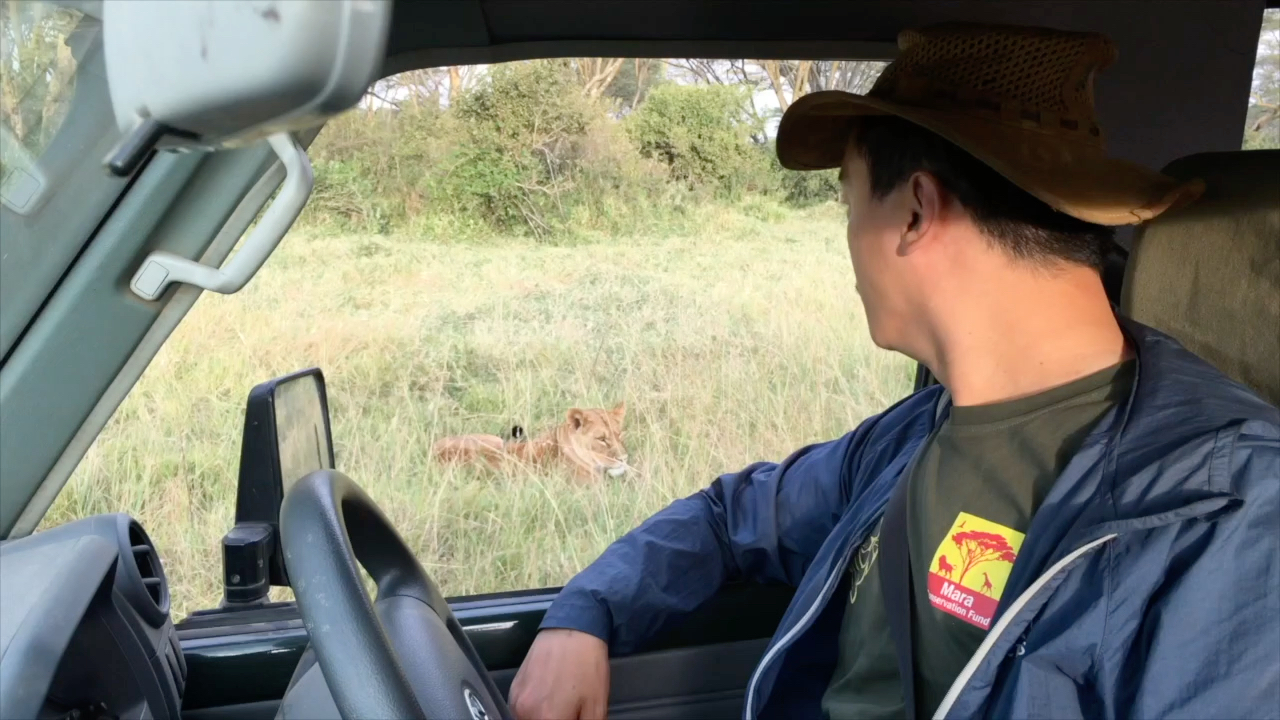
85 630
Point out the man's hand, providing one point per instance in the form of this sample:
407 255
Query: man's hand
565 676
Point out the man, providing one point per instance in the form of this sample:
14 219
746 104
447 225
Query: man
1080 521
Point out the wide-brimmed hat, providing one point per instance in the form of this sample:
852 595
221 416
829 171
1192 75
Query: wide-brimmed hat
1019 99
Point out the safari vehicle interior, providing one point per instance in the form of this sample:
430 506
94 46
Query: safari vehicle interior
100 267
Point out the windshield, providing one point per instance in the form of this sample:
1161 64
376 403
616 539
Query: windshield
56 125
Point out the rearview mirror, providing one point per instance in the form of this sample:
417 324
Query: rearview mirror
286 437
227 73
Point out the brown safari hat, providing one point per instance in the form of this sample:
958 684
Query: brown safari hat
1019 99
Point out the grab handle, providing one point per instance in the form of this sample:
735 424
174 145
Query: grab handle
161 268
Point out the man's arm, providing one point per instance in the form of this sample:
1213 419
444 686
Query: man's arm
1211 640
764 523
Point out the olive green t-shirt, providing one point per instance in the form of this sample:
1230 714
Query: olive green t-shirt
970 500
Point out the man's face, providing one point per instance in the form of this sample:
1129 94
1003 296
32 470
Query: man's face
875 229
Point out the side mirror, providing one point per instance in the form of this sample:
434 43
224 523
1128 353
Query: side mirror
286 437
227 73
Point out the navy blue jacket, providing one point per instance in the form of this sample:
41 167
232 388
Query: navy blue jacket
1148 584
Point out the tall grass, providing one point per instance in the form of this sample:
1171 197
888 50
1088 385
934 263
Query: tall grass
739 342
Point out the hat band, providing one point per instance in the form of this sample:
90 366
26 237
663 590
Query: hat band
925 94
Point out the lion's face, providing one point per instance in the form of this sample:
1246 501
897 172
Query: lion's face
591 439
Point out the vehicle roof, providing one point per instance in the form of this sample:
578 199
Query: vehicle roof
1180 86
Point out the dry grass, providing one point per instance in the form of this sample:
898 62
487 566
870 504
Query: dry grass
740 343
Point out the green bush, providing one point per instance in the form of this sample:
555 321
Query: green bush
620 192
521 127
703 135
524 153
813 187
375 171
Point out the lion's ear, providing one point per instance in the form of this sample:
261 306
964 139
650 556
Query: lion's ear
576 418
619 411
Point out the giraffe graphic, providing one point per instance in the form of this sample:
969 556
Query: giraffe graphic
986 584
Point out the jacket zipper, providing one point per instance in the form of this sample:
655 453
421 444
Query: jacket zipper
1007 619
838 570
797 628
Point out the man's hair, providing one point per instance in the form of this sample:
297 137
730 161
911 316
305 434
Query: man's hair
1013 219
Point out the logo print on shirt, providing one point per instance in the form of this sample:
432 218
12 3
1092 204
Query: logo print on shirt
969 569
862 563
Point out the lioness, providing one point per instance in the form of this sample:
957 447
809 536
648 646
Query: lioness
588 442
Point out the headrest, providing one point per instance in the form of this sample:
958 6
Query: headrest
1209 274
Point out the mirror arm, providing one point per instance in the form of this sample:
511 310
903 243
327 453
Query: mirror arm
161 269
134 147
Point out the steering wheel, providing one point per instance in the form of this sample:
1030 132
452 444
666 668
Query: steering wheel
403 655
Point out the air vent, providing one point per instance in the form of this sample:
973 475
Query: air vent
149 568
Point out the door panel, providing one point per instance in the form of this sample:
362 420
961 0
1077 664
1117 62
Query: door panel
263 710
698 683
703 683
241 661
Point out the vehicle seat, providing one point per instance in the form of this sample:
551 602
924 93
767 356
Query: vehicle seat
1209 274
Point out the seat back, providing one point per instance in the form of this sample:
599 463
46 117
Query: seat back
1209 274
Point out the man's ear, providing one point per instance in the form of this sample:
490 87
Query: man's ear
619 411
924 204
576 418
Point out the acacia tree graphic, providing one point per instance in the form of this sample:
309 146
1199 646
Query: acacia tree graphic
979 547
